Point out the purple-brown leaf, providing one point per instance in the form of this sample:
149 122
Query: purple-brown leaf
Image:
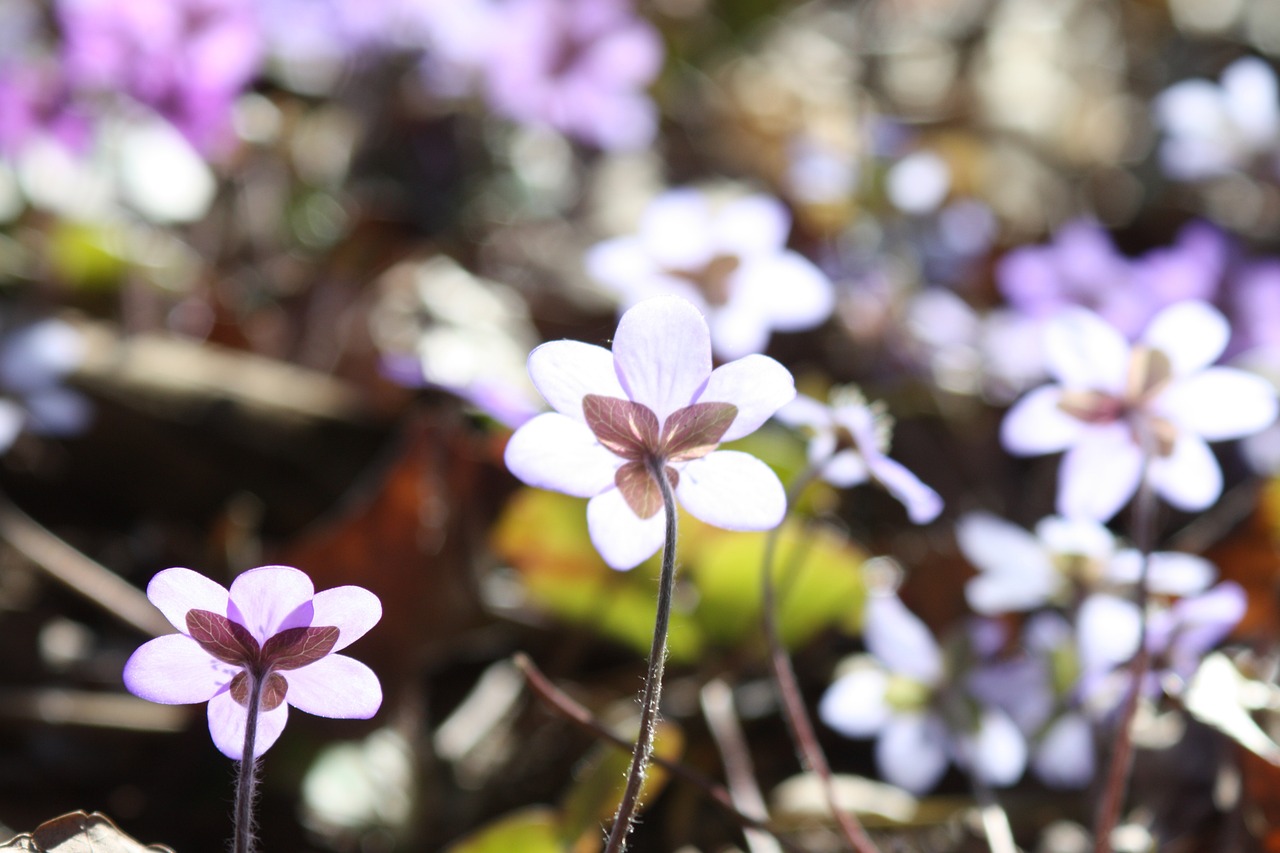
694 431
296 647
626 428
639 489
273 690
227 641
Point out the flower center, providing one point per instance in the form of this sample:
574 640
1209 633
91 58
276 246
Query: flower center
1149 373
631 431
231 642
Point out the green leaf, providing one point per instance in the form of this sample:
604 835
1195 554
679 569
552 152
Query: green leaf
532 830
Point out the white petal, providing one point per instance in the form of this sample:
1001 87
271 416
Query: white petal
662 351
620 264
786 289
1037 424
732 490
1107 632
1220 403
623 539
553 451
1189 477
1192 334
804 411
676 230
1169 572
335 686
900 640
756 384
753 225
738 329
847 468
566 371
1099 474
854 703
922 503
993 593
11 420
997 753
912 751
1085 352
1077 537
227 722
1064 757
997 546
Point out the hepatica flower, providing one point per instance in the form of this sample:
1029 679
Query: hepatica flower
271 626
652 405
1119 410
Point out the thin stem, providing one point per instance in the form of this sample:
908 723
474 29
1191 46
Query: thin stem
653 679
1117 779
800 727
247 782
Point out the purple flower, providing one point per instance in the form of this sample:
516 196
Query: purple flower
34 360
850 439
903 699
731 261
579 66
272 626
1119 408
653 402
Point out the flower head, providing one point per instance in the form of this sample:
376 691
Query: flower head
1120 409
271 626
34 360
652 404
850 439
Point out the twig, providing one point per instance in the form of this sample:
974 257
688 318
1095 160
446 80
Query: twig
717 706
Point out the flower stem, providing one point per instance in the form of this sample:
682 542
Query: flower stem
247 781
1116 784
798 723
653 679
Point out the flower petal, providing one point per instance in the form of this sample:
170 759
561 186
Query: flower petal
1084 352
554 451
1037 424
174 670
662 351
623 539
732 490
752 225
1191 333
335 686
802 411
177 591
923 503
737 330
997 546
353 610
566 371
1220 403
1107 631
268 599
1064 758
1170 572
997 752
757 385
844 469
1189 477
1099 474
621 264
786 290
900 640
676 229
912 751
227 721
854 704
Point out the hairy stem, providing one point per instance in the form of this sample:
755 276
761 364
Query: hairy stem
797 718
247 781
653 679
1116 784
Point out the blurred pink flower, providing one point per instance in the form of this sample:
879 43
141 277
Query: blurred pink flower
653 400
1119 408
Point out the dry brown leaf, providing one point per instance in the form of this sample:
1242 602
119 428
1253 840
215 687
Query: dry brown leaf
80 832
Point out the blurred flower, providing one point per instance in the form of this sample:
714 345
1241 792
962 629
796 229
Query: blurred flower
35 101
34 360
731 261
1020 570
1212 129
1122 411
579 66
903 698
273 627
654 401
849 442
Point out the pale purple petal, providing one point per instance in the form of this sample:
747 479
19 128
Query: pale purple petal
900 640
997 546
227 721
1189 477
1037 424
992 593
1084 352
854 704
1099 474
566 371
662 351
622 264
623 539
1169 572
923 503
176 591
786 290
11 420
1202 622
1220 403
58 411
676 229
757 224
174 670
804 411
264 599
997 752
353 610
1192 334
732 490
912 751
1107 630
335 686
738 329
1083 537
846 468
756 384
1064 757
554 451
